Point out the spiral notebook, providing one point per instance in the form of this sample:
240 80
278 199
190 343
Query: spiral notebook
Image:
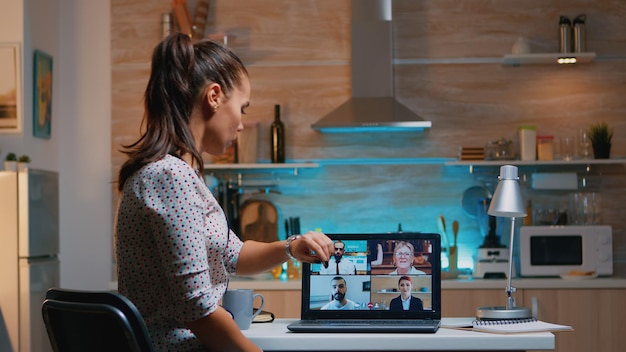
517 326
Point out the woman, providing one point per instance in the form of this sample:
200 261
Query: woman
173 244
405 301
403 257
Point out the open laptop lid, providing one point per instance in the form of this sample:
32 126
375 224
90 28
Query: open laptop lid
374 280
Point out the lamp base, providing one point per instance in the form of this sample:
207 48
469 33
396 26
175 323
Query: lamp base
500 313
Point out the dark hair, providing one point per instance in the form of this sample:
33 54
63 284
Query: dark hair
181 70
337 278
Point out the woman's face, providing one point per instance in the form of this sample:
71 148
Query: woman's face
405 286
221 129
403 257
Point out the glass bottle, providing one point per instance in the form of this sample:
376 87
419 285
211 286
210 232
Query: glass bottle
277 143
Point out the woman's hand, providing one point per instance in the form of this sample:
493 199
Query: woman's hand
312 247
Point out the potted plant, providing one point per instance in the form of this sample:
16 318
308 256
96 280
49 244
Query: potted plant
22 162
600 135
10 162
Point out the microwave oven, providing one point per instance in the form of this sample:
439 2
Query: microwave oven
557 250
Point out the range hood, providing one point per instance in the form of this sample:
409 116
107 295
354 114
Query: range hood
372 107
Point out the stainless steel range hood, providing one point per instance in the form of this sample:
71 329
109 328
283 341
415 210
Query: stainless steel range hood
372 107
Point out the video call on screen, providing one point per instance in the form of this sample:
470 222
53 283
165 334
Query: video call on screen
372 271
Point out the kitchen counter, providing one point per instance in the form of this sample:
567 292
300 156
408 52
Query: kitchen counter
262 283
275 337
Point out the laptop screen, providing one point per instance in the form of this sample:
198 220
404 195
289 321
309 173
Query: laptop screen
376 276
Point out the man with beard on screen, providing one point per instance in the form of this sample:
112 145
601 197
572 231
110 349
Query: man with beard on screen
338 265
338 289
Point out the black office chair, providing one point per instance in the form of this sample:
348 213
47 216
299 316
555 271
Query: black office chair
79 321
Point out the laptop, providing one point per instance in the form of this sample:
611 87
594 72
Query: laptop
362 292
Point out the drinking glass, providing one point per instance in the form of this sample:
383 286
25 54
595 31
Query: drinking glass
568 148
584 145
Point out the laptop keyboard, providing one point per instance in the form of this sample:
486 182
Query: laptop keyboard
378 322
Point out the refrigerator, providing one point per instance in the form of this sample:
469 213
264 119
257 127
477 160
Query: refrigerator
29 263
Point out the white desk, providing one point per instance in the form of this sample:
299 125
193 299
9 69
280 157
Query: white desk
275 337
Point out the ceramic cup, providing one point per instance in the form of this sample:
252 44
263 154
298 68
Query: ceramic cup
239 302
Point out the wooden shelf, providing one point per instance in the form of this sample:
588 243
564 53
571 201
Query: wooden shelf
547 58
619 160
257 168
260 166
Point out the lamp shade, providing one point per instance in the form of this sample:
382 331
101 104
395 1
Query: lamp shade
507 199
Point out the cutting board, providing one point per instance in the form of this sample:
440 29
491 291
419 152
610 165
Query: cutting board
258 220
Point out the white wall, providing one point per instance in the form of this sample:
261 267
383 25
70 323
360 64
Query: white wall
77 34
84 143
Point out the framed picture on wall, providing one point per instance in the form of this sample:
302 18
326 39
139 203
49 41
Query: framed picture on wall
10 88
42 110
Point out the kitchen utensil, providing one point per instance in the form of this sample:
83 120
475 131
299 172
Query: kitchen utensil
470 198
455 230
441 223
259 221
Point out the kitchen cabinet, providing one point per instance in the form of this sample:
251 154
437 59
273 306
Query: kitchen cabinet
455 303
598 317
283 303
463 303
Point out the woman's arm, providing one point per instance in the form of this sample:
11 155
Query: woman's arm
257 257
220 332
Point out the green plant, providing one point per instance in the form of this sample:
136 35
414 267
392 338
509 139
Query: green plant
11 157
600 133
24 159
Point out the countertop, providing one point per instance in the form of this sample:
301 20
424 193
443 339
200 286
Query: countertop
261 282
275 337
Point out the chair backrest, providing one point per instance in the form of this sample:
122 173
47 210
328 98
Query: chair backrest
93 321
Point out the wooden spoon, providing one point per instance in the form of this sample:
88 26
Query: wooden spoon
455 230
441 223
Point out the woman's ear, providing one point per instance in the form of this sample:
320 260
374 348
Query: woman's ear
213 95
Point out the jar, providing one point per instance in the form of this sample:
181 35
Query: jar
501 149
545 147
528 142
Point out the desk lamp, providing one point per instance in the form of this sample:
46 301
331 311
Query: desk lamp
507 202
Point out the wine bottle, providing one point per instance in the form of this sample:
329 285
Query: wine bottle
277 137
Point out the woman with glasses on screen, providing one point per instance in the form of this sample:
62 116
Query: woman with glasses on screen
403 257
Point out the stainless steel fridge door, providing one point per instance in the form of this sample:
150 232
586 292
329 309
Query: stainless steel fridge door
36 277
38 201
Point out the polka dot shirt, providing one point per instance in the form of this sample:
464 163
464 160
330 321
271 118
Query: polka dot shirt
174 250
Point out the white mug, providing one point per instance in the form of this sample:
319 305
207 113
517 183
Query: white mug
239 303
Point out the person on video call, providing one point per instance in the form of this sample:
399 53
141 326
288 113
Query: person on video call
174 248
338 265
338 289
403 257
405 301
